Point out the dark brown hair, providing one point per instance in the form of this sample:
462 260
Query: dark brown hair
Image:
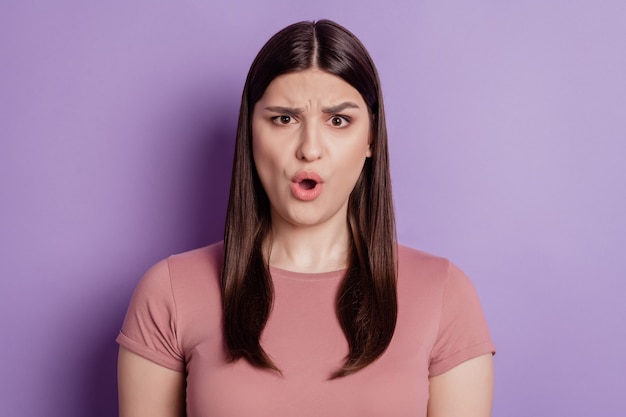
366 304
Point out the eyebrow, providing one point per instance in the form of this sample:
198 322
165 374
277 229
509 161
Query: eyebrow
285 110
340 107
329 110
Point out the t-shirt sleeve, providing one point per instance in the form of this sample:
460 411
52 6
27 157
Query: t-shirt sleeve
150 326
463 333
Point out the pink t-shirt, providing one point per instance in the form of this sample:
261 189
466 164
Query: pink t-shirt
174 319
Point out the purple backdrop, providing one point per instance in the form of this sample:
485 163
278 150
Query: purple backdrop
507 123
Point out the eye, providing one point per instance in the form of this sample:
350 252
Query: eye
283 119
339 121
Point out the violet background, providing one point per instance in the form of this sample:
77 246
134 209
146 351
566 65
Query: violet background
507 123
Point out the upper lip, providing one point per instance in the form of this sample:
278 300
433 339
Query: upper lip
307 175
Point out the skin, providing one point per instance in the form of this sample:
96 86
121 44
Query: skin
466 390
146 389
308 121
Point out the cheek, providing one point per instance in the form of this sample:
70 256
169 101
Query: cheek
260 153
357 156
353 162
362 147
267 162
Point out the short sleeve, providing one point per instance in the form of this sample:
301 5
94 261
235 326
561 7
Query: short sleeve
150 327
463 333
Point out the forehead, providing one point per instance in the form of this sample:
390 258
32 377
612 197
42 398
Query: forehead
310 85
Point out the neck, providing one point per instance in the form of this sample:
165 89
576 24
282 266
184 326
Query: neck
319 248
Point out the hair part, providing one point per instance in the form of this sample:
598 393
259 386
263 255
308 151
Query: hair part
366 304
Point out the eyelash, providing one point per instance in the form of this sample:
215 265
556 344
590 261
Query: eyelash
344 119
277 119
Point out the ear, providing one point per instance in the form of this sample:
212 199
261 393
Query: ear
370 139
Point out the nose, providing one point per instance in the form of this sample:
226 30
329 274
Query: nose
310 147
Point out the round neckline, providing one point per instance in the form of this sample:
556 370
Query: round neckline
305 276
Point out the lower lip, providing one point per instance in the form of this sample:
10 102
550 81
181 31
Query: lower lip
304 194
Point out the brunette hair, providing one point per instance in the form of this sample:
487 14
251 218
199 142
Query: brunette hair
367 300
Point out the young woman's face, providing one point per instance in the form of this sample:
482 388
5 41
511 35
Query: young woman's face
310 137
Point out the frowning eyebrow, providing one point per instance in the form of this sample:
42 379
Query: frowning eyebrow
284 110
329 110
340 107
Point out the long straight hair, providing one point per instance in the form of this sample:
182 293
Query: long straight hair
366 304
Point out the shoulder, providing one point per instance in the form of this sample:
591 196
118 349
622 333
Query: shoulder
207 259
414 264
188 271
411 256
432 287
425 273
202 261
195 272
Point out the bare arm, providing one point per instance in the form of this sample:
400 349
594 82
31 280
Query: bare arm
464 391
147 389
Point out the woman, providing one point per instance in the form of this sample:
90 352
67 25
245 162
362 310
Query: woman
309 307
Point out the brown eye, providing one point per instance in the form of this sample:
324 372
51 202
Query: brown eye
338 121
283 119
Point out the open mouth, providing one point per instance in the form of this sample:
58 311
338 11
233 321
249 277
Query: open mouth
307 184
